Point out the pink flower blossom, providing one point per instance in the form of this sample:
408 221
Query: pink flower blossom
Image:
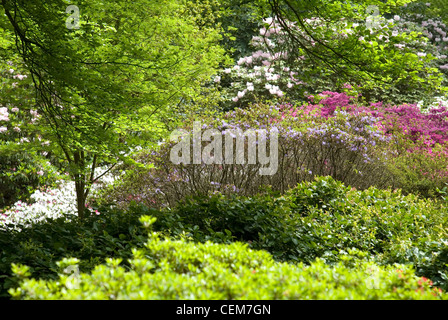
4 114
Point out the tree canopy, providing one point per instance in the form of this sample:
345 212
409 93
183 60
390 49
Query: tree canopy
112 74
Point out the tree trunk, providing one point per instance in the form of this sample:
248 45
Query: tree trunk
80 183
80 199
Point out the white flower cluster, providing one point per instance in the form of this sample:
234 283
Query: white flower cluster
439 102
48 203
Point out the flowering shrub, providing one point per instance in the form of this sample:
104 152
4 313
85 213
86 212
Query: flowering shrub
346 146
431 42
420 145
47 203
439 101
24 152
417 138
276 68
334 134
430 128
433 28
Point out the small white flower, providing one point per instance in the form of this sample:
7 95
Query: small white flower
268 20
241 94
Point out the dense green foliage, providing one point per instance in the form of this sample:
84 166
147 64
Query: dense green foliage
93 240
300 226
167 269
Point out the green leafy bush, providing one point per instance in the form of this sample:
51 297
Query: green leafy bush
419 171
41 245
319 219
323 219
167 269
260 220
395 228
21 174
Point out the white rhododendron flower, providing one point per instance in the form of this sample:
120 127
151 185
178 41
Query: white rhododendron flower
48 203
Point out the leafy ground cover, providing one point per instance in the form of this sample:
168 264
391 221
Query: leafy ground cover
167 269
380 228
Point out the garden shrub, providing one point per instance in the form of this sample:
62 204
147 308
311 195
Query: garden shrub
420 163
417 152
298 226
394 227
259 220
167 269
22 169
399 146
344 145
41 244
421 170
301 224
278 67
20 176
52 202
